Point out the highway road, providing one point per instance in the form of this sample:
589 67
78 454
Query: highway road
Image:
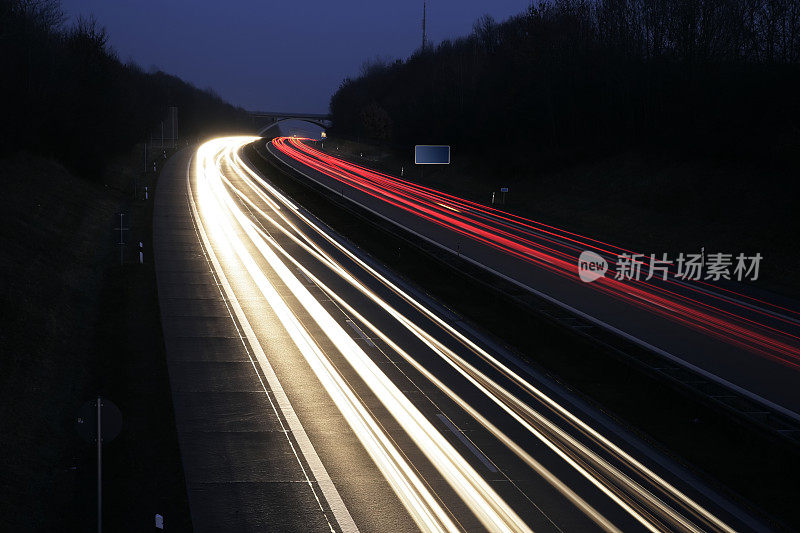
315 390
723 331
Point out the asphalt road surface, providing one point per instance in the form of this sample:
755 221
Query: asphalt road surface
315 391
722 329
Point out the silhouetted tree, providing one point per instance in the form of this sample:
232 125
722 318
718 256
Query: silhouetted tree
710 76
376 122
64 93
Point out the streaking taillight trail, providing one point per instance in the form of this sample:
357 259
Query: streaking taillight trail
742 320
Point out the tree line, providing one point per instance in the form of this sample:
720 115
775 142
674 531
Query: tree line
569 76
65 94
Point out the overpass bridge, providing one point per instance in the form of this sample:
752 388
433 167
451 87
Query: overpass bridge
264 120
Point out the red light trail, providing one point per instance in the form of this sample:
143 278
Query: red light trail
756 325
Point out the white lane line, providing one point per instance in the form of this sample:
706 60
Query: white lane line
329 491
310 282
468 443
713 377
359 332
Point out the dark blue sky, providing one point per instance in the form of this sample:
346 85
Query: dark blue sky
277 55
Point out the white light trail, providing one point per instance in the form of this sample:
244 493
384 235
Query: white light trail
220 209
565 445
220 198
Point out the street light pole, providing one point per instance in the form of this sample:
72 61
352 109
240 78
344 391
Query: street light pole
99 466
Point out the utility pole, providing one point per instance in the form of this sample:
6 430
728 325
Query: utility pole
176 128
173 119
424 31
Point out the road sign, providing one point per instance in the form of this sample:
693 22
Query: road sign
99 421
502 199
431 154
110 417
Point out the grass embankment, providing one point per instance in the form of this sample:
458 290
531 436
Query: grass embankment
651 203
74 324
751 464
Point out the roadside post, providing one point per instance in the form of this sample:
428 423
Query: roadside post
99 421
121 242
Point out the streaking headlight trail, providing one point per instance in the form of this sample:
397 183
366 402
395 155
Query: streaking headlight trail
245 215
482 500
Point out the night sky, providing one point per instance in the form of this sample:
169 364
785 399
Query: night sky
277 56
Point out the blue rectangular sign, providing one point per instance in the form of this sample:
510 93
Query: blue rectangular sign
431 154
